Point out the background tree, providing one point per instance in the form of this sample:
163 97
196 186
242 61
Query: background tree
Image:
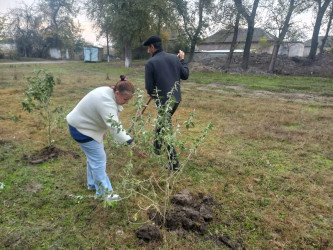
24 24
195 16
126 20
230 19
280 13
321 9
328 28
58 16
249 16
2 27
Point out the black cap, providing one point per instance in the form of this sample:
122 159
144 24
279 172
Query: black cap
151 40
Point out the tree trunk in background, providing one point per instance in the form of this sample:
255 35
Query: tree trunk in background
320 14
250 30
107 46
281 36
192 48
128 53
233 42
323 42
247 47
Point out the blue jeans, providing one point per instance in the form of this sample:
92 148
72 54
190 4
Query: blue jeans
97 177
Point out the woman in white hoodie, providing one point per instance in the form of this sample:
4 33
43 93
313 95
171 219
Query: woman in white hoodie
89 121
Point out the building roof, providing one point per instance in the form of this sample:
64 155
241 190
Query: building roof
329 41
225 36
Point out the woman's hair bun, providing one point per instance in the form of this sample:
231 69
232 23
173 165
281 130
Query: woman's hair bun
123 78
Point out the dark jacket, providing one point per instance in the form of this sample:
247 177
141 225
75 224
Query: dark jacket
162 71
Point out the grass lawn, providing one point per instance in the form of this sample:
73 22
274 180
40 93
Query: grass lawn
267 163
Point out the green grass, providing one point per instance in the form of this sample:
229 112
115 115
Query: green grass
309 85
267 163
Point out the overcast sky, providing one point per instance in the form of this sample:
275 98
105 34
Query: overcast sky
88 32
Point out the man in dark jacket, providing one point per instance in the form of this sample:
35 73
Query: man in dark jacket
163 72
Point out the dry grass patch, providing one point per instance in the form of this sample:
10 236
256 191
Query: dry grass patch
267 162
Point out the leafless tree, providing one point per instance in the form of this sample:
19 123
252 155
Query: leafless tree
328 28
249 16
195 16
280 14
321 9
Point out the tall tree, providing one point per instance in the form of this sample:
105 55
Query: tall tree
2 27
195 16
230 18
249 16
234 41
328 28
58 15
321 9
24 24
125 20
280 14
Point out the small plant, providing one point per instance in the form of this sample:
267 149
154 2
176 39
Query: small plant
156 191
38 97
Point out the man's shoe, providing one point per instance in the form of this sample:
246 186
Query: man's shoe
175 167
91 188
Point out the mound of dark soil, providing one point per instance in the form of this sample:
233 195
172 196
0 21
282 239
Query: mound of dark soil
149 232
46 154
189 213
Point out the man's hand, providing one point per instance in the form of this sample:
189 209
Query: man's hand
181 55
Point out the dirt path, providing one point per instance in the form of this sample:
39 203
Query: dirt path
246 92
34 62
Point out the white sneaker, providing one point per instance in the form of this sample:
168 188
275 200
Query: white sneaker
109 197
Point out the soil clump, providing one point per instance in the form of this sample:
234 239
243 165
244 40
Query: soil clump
47 153
188 213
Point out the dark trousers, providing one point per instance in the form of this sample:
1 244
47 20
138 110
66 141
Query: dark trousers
158 142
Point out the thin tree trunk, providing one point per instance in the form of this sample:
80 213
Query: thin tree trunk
314 43
247 48
274 57
107 46
233 42
250 23
193 43
281 37
128 53
323 42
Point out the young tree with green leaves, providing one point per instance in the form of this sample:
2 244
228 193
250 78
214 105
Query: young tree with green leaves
38 98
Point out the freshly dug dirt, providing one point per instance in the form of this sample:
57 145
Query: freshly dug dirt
189 213
149 233
46 154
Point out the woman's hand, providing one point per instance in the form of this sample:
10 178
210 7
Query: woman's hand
138 152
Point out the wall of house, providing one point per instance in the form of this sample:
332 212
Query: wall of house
255 46
55 53
292 49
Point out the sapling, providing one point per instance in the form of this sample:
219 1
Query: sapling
157 189
38 98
